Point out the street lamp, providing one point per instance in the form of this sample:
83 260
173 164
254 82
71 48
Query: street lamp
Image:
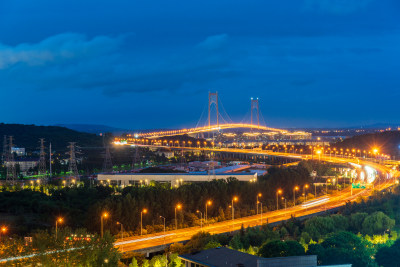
285 201
59 220
201 218
122 235
327 181
141 220
234 199
208 203
3 231
305 191
294 195
258 195
277 200
105 216
162 217
319 154
177 207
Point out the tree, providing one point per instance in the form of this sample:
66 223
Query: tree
388 256
236 242
134 263
356 221
174 260
212 244
377 223
279 248
345 248
319 226
145 263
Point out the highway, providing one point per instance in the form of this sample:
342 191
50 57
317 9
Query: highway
335 200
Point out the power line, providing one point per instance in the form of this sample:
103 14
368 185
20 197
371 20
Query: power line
107 165
72 168
11 171
42 161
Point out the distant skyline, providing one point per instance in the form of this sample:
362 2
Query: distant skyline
150 64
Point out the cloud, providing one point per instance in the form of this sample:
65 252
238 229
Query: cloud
57 49
74 61
336 7
214 42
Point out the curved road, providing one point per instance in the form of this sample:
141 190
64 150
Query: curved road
334 200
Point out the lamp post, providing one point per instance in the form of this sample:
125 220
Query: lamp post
319 154
285 201
234 199
257 202
305 187
179 206
208 203
315 190
294 195
3 231
201 218
141 220
162 217
104 215
261 213
122 235
277 199
327 181
59 220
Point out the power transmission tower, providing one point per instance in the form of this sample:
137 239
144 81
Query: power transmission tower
42 160
136 157
5 151
254 107
107 165
11 171
212 99
72 168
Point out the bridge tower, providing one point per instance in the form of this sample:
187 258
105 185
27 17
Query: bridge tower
255 108
212 99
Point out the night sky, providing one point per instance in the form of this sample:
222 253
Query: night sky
150 64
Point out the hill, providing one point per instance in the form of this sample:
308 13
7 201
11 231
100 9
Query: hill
94 128
28 136
387 142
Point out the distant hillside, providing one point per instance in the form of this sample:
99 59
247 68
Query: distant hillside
388 142
28 136
93 128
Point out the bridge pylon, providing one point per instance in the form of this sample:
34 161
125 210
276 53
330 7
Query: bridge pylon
212 99
255 108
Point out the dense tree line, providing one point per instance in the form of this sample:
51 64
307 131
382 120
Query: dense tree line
82 206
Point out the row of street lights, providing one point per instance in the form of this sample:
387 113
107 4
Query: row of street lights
296 188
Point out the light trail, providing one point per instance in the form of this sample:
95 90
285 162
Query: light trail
142 239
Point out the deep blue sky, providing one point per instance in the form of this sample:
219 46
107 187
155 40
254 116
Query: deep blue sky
150 64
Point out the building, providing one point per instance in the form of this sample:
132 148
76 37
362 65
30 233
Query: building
24 164
222 256
19 151
167 154
219 257
173 178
